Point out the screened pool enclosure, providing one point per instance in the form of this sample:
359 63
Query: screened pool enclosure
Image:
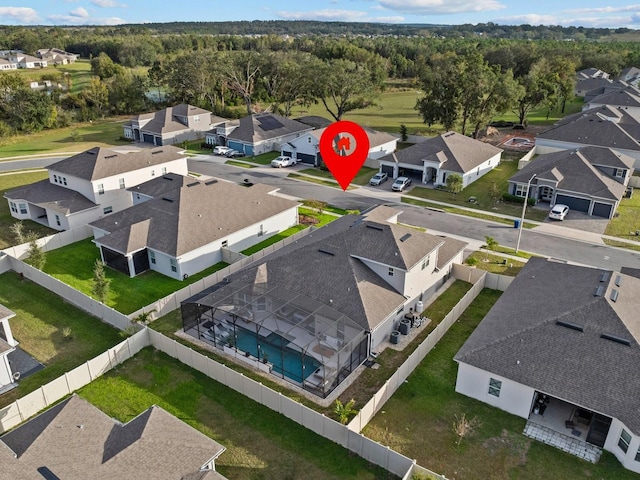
280 331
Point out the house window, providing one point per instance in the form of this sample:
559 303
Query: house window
624 441
14 207
637 459
225 243
478 171
196 119
425 264
55 179
64 180
58 220
153 173
520 190
121 181
23 208
619 172
152 256
164 170
107 210
391 271
494 387
261 231
174 266
101 189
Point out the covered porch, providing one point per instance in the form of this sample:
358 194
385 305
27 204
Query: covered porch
576 430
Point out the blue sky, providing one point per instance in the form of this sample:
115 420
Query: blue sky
590 13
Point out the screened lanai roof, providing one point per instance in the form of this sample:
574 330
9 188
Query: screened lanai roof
303 321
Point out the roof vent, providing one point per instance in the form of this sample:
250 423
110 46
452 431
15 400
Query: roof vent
156 152
327 252
618 280
405 237
617 339
614 295
167 178
604 276
572 326
167 199
193 184
110 156
375 227
210 182
599 291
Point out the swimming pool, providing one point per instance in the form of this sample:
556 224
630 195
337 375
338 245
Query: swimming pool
286 361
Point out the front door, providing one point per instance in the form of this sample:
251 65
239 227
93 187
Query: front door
546 194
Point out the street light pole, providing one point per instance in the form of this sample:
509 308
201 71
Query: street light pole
524 208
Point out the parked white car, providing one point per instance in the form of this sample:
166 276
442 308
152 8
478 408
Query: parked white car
558 212
280 162
220 150
400 184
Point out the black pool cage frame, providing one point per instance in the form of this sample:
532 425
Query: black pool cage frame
316 347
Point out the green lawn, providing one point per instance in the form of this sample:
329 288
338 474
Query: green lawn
103 133
40 318
362 178
628 219
264 159
494 263
319 181
260 443
9 182
417 421
237 163
74 263
273 239
80 73
480 190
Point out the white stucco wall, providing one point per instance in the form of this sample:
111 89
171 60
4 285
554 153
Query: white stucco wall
514 397
611 445
418 279
5 370
397 280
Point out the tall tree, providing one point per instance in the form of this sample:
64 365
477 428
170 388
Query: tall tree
96 96
100 287
441 91
241 72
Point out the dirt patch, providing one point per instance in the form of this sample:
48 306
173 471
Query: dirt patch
515 444
307 220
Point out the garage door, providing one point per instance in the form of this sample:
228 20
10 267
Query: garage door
579 204
287 153
411 173
388 169
147 138
306 158
602 210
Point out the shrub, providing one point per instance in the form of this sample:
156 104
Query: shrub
507 197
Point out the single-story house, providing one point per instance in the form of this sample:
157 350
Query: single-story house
560 349
319 306
604 126
178 225
591 72
7 345
171 125
257 134
90 185
306 148
627 98
22 60
73 440
609 86
5 64
631 75
434 159
55 56
588 179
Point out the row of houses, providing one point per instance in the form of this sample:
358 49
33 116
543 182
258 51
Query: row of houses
17 59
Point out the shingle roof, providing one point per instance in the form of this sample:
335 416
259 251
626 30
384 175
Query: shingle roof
51 197
264 126
98 162
521 340
628 97
186 218
165 121
314 121
575 171
330 265
456 152
75 441
375 137
603 126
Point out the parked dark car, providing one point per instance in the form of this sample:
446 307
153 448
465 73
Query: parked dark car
234 154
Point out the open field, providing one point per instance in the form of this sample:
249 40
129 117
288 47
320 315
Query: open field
261 444
9 182
417 421
74 264
79 73
38 325
103 133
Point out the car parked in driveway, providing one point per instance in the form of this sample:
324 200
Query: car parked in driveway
220 150
378 178
400 184
234 154
558 212
282 161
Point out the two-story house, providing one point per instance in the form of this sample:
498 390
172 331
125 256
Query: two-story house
171 125
90 185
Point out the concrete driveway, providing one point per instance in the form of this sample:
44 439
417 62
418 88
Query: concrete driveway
582 221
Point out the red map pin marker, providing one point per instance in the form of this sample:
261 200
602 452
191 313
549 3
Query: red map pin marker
344 147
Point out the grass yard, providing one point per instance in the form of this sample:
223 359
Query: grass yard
494 263
628 219
38 325
362 178
261 444
319 181
237 163
417 421
273 239
74 263
79 73
264 159
9 182
480 190
103 133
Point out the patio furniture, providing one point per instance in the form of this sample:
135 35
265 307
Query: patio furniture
569 424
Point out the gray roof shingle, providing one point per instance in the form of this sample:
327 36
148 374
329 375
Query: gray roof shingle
519 338
264 126
51 197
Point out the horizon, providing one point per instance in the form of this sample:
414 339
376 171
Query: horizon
590 14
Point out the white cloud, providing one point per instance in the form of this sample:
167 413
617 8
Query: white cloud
19 14
75 20
441 7
106 3
330 15
528 19
79 12
626 8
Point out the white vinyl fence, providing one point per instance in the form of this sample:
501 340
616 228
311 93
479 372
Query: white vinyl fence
52 242
32 403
